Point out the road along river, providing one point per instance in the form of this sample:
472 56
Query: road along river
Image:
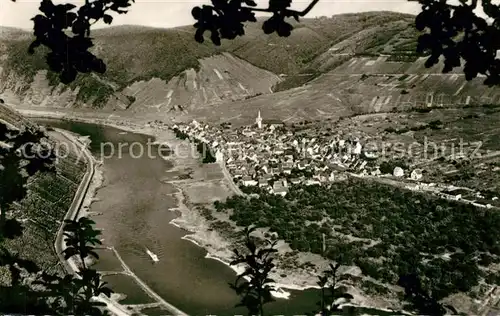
133 211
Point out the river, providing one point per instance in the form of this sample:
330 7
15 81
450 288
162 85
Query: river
134 206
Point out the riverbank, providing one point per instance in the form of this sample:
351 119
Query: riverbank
91 182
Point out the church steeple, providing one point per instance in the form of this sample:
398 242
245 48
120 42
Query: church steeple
258 120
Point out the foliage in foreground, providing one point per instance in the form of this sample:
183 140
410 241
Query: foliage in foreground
258 262
26 288
255 286
331 292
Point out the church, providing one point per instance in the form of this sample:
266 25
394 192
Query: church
271 122
258 121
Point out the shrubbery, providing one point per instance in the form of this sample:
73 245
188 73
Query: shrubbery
411 230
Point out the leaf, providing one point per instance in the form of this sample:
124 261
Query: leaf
46 7
269 280
29 266
422 20
33 45
196 13
106 291
108 19
68 7
94 254
199 36
237 261
216 38
347 296
69 252
249 230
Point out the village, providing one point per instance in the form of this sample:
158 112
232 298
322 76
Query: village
273 157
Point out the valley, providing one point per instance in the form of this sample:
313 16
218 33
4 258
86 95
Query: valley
409 127
418 189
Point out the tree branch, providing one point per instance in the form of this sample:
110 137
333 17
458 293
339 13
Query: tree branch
287 11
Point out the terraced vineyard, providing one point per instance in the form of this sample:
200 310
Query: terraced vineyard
49 197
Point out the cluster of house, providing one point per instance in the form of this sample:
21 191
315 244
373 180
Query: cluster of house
272 157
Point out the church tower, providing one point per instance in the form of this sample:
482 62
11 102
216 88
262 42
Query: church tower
258 121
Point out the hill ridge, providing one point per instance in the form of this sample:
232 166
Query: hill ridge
158 69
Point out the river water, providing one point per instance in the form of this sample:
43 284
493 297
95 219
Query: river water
134 204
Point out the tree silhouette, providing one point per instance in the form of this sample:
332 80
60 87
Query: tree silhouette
225 19
456 32
67 34
22 155
81 239
331 292
258 263
19 296
76 293
420 299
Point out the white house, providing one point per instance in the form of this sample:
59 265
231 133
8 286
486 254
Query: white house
371 155
265 168
357 149
195 123
279 188
312 182
262 183
376 172
281 191
398 172
363 164
248 182
416 174
219 156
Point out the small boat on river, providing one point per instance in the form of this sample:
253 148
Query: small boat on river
153 256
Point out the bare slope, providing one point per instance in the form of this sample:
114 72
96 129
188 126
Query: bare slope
358 86
217 79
